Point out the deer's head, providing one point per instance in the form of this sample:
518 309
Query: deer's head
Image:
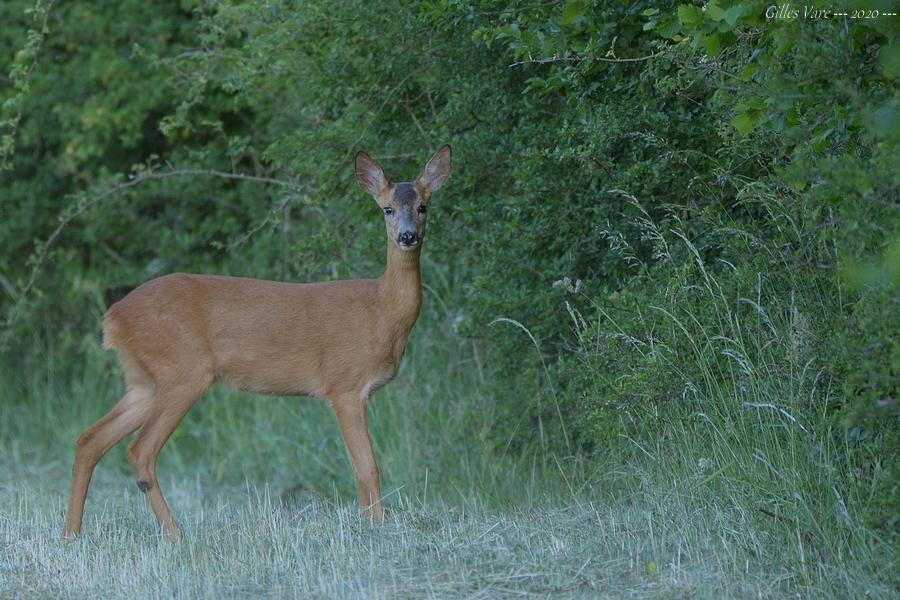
404 204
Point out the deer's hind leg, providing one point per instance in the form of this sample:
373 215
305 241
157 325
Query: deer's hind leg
174 398
126 416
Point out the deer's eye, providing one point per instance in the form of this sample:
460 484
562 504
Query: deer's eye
388 210
423 209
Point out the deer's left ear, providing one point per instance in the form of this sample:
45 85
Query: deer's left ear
437 170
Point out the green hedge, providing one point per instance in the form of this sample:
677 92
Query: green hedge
702 174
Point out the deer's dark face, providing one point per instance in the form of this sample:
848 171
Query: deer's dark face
405 205
405 211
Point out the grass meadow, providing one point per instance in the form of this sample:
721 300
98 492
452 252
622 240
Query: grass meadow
658 355
735 504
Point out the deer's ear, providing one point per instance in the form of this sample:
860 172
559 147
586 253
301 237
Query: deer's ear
369 175
437 170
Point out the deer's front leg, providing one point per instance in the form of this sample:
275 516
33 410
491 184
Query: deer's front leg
351 415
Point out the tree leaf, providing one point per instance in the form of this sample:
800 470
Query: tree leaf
573 11
885 121
745 122
690 15
749 71
668 27
715 12
712 44
734 13
889 59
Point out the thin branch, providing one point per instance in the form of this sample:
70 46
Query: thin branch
769 513
135 180
229 175
395 156
512 11
626 60
434 116
387 99
574 59
464 128
278 209
428 143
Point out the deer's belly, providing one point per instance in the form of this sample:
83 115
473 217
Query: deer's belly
279 374
357 359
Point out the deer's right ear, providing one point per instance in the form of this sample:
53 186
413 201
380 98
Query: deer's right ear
369 175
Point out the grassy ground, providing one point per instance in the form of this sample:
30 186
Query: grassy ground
659 543
250 541
734 505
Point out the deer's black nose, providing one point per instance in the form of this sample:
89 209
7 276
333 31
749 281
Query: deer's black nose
408 238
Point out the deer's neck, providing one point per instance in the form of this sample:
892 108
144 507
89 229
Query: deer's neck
401 286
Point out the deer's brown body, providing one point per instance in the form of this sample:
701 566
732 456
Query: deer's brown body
338 340
310 339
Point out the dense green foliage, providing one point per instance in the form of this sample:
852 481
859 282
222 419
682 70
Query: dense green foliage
691 210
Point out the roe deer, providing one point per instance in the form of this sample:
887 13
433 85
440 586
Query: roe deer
337 340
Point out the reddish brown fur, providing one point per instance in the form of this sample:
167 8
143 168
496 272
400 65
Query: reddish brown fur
337 340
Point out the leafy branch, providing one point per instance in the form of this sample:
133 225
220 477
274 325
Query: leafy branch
20 79
147 173
574 59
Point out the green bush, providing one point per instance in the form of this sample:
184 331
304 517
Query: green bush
683 205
